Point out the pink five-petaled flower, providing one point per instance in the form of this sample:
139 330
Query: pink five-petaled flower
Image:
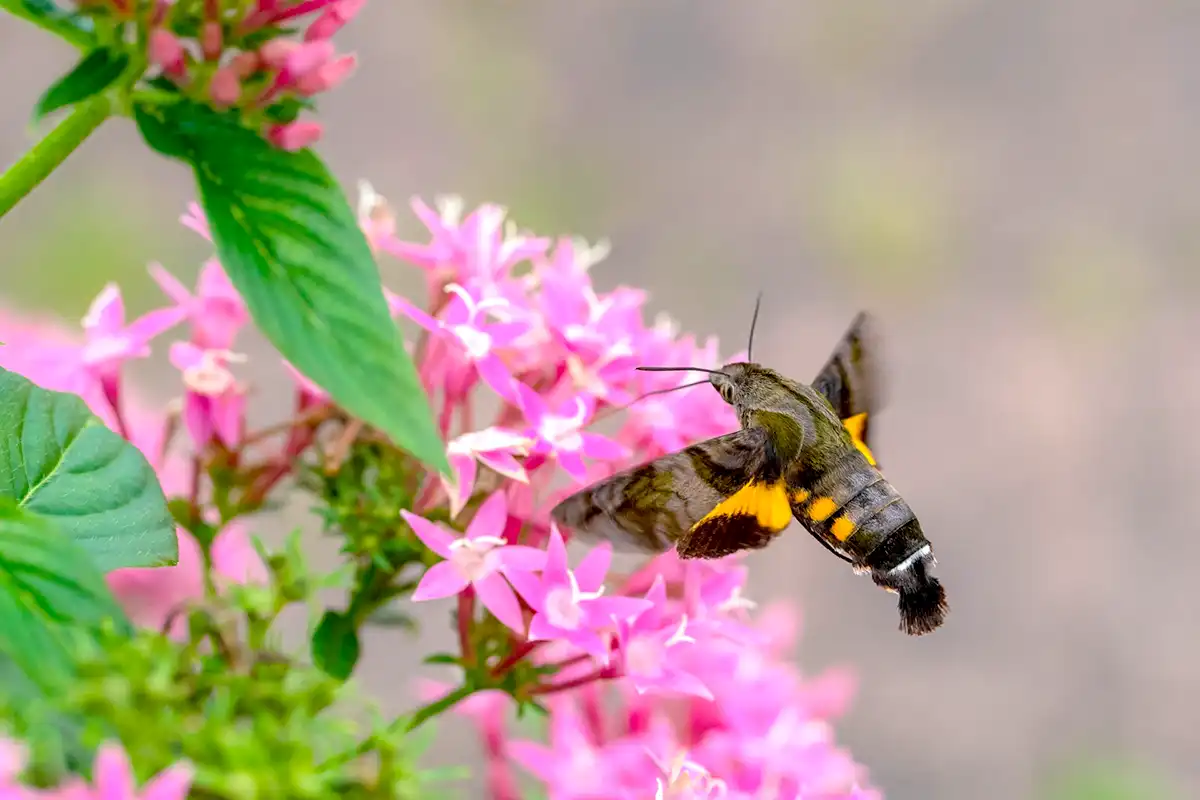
650 644
495 448
215 403
479 250
575 767
113 779
479 558
570 605
558 433
216 311
109 341
463 320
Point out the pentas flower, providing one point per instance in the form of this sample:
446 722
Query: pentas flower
215 402
109 341
479 251
559 434
651 644
216 311
574 766
496 448
480 558
113 779
570 605
464 320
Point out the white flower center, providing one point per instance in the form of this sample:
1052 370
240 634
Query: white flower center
475 559
477 343
562 610
643 657
563 432
211 377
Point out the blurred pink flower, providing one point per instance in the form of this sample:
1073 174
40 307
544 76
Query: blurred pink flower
113 779
216 311
214 403
480 558
650 645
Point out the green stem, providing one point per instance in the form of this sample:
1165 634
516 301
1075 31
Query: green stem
44 157
57 22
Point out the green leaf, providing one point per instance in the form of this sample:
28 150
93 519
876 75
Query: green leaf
94 73
71 26
335 647
291 245
50 593
443 658
60 461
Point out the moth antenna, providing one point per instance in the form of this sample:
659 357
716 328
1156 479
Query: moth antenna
680 369
753 325
608 413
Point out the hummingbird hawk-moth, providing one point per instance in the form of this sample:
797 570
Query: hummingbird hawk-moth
801 452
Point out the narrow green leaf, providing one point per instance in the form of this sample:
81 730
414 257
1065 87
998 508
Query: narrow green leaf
335 647
59 461
50 592
94 73
292 247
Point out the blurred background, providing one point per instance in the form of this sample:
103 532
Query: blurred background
1009 186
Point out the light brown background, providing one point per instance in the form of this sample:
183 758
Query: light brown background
1011 187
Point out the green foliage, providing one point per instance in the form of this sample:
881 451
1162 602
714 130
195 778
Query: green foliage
95 72
50 592
1108 780
335 646
293 249
59 461
254 720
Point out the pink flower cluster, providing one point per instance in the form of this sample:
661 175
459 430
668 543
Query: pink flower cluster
238 55
113 778
664 681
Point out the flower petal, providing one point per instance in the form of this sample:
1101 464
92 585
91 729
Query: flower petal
602 448
172 783
493 372
441 580
111 772
403 306
435 537
594 566
491 517
519 558
497 597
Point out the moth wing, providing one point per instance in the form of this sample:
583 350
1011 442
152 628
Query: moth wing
851 380
675 500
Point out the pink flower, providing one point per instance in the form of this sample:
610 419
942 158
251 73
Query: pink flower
333 18
650 645
559 434
463 321
478 251
13 756
294 136
216 311
193 219
113 779
496 448
480 558
576 767
215 403
109 341
570 604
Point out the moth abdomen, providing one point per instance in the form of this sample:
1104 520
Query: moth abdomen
901 564
855 512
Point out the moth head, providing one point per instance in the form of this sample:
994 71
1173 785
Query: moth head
727 380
